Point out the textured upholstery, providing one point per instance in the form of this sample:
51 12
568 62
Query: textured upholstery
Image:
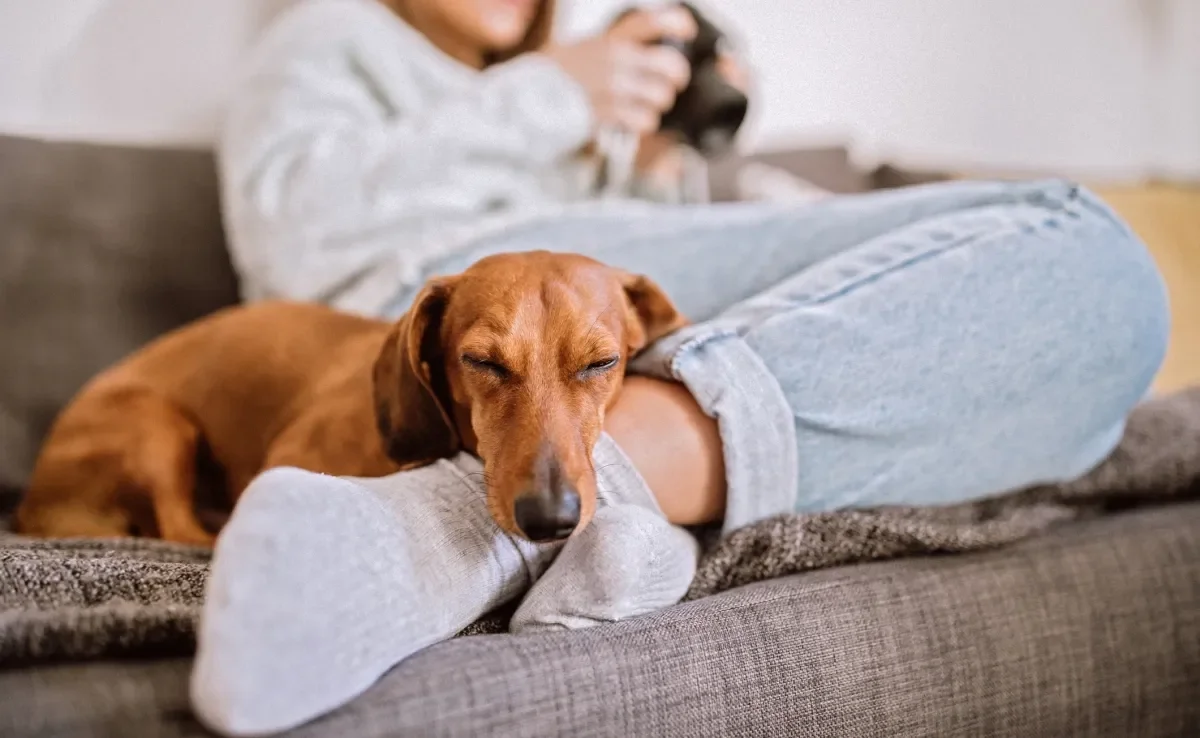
1092 632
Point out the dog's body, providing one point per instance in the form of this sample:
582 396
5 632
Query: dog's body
485 361
268 384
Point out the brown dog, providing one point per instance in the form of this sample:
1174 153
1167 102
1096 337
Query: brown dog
516 360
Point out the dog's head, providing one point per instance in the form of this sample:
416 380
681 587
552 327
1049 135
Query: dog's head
517 359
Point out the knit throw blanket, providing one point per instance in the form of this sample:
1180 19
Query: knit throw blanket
78 599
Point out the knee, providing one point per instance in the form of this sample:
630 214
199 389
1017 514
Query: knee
1122 324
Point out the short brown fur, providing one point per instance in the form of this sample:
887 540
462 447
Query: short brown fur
296 384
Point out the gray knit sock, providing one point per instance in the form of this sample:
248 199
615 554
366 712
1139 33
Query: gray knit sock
321 584
628 562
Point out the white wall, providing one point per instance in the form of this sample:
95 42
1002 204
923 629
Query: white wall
1107 88
122 70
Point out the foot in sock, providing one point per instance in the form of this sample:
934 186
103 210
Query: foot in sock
595 580
321 584
629 561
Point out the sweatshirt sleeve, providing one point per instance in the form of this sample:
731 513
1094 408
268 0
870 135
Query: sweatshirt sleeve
307 141
313 161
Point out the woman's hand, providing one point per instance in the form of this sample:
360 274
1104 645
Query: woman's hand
658 154
630 80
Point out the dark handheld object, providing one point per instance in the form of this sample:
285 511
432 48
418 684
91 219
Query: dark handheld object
709 111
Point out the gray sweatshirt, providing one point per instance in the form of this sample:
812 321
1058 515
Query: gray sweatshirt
355 152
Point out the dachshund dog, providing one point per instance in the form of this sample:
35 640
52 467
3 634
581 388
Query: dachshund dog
515 360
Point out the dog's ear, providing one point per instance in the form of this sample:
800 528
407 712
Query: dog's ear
652 312
412 403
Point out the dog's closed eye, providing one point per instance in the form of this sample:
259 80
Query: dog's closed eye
600 366
487 365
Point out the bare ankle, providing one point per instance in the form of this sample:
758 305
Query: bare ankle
675 447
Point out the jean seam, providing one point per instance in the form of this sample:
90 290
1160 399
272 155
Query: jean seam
867 278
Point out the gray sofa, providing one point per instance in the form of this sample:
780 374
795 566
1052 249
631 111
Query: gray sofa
1091 631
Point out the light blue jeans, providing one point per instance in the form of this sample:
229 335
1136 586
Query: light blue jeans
920 346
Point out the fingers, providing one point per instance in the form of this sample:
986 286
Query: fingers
654 24
635 118
646 81
661 62
649 92
636 106
629 78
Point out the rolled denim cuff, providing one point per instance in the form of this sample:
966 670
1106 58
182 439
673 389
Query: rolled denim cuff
731 384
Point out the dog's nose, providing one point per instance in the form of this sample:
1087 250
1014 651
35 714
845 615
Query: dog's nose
547 516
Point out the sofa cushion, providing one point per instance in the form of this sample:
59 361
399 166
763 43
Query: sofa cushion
1094 631
102 248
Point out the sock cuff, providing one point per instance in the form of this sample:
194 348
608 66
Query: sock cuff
617 480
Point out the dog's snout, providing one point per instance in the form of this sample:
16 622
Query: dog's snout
548 515
550 509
